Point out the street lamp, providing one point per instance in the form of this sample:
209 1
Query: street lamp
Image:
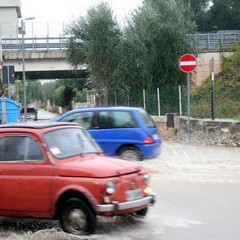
23 64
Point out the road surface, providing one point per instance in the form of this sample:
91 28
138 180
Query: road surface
198 192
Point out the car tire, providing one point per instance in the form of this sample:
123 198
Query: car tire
142 213
130 153
77 218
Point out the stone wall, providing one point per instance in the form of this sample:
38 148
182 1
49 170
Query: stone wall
202 131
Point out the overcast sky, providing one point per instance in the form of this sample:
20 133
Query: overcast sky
64 11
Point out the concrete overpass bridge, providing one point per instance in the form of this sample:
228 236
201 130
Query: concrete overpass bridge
45 58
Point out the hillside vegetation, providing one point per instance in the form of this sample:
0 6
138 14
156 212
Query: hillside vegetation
226 94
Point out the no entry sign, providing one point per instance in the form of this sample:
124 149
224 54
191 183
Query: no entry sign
188 63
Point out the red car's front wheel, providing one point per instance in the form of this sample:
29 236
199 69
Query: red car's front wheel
77 218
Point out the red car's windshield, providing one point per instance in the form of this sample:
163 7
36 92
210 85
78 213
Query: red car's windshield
68 142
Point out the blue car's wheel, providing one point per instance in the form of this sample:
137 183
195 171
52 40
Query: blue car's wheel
130 153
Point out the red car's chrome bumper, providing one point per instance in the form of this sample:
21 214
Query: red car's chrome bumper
116 206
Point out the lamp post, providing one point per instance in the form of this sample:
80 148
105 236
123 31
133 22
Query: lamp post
23 64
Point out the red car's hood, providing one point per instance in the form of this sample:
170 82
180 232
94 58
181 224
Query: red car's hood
97 167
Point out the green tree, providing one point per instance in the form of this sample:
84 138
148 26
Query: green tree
218 15
34 91
93 41
225 14
81 96
18 95
198 5
144 54
48 89
152 44
76 87
62 96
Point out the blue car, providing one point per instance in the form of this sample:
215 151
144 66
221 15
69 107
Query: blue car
127 132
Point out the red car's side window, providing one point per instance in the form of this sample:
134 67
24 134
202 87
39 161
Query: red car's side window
19 148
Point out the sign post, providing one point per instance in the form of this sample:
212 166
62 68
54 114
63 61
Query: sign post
212 92
188 64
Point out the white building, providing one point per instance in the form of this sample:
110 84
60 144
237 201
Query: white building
10 12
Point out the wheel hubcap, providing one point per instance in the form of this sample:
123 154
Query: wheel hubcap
129 155
76 221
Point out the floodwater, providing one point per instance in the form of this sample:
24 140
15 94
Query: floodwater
178 163
185 162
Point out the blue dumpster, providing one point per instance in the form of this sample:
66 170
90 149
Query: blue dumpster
9 110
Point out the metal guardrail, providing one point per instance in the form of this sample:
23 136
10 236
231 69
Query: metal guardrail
214 41
208 41
34 44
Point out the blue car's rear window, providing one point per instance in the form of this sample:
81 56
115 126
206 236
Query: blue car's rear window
148 121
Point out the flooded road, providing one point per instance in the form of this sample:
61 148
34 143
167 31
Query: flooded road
184 162
198 192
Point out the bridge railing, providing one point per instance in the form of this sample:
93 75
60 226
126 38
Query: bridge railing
208 41
45 44
215 41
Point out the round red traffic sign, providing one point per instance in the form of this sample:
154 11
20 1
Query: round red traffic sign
188 63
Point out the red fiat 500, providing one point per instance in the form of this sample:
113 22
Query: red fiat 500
57 171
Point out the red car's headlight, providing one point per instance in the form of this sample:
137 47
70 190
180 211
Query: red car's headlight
110 187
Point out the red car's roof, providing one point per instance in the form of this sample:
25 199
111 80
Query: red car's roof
39 125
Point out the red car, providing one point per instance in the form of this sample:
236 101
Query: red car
57 171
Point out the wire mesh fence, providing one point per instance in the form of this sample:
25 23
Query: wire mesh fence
157 101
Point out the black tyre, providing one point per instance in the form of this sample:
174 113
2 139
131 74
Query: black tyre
130 153
142 213
77 218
